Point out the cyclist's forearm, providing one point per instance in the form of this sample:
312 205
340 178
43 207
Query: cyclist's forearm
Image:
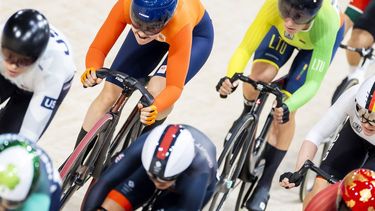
167 98
238 62
95 58
302 96
307 152
107 36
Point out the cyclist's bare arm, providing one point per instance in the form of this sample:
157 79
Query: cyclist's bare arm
332 119
306 152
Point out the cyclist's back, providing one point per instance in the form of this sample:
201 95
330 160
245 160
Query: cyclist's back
191 188
29 181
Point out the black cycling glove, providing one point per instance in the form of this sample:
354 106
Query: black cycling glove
295 178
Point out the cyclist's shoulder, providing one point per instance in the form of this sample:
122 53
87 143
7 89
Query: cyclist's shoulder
269 12
58 45
328 20
187 16
205 148
199 136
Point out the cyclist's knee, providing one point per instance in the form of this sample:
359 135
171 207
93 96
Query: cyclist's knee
360 38
262 71
156 85
108 95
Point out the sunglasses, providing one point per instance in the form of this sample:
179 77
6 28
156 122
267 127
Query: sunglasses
365 116
158 179
16 59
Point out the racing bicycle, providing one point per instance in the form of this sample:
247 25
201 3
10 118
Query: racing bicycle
354 78
243 151
98 148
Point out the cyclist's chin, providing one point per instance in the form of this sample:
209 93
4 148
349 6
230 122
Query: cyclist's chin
368 132
163 186
141 41
12 73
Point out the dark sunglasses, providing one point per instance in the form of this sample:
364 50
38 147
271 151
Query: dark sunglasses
18 60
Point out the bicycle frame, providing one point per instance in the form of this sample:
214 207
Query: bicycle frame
74 173
113 115
238 145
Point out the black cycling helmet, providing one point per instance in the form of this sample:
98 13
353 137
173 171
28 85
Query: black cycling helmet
26 32
300 11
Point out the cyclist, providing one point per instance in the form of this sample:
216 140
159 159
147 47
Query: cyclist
176 33
36 71
28 180
354 147
363 32
178 159
355 192
315 29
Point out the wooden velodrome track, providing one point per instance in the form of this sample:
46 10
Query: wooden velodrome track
199 105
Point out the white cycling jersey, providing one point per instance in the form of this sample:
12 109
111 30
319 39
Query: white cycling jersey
345 106
49 76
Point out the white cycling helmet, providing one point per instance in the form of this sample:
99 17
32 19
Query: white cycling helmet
168 151
365 100
19 170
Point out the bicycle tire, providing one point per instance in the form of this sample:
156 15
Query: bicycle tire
243 194
232 161
254 165
73 180
306 183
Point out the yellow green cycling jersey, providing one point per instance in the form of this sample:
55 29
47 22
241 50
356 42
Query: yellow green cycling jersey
320 37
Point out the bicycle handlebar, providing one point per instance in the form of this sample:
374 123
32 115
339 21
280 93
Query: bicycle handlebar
128 81
310 165
363 52
261 86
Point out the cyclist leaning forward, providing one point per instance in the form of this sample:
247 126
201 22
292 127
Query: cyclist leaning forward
179 160
315 29
182 28
354 147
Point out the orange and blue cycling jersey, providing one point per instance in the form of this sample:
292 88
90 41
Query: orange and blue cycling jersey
178 34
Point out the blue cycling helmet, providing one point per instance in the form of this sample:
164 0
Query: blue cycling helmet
152 15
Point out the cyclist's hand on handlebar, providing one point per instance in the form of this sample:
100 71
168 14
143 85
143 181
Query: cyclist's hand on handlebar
290 180
89 79
281 114
148 114
225 86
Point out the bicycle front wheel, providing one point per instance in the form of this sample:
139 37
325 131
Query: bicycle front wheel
232 161
78 168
